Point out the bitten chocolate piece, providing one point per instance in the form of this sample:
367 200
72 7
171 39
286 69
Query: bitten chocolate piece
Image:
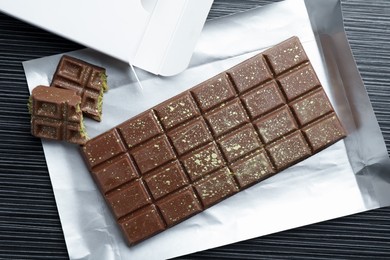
212 141
88 80
55 114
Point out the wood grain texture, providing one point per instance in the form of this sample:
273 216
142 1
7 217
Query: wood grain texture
29 222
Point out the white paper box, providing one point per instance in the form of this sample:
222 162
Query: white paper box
158 36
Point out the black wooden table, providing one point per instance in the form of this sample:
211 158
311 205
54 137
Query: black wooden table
29 222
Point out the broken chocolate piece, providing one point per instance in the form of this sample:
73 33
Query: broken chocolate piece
212 141
55 114
88 80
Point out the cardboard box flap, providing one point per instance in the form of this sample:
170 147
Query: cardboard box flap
155 35
174 27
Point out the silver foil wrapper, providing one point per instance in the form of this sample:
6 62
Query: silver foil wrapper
350 176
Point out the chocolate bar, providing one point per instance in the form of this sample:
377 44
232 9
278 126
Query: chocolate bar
55 114
89 81
212 141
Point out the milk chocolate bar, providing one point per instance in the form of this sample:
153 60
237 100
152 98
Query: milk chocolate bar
55 114
89 81
212 141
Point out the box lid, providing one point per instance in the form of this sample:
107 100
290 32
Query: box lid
158 36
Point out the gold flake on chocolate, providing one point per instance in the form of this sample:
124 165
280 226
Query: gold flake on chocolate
190 136
227 117
203 161
166 179
288 150
213 91
140 129
321 133
250 73
115 172
299 81
311 106
179 206
240 142
213 140
263 99
276 124
112 147
174 112
216 186
285 56
252 168
154 153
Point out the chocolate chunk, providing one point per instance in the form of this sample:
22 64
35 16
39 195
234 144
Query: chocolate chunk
252 169
55 114
88 80
213 91
215 187
212 141
113 173
227 117
177 111
179 206
322 132
285 56
276 124
142 224
104 147
311 106
250 73
127 199
190 136
153 153
263 99
289 150
239 143
166 179
298 82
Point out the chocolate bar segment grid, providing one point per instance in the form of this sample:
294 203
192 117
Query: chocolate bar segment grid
214 140
55 114
88 80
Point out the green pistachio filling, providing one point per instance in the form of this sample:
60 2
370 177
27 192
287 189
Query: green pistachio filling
100 103
29 105
83 130
104 88
103 77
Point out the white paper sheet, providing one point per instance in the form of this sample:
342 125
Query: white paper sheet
320 188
